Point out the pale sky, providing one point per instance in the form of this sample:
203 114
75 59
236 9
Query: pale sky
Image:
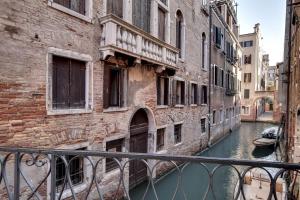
271 16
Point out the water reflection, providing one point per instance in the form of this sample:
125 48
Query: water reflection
195 180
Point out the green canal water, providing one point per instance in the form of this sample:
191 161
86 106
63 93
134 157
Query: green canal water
195 180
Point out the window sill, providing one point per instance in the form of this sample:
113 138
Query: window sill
163 151
115 109
77 189
204 104
69 111
69 11
111 174
181 60
193 105
162 106
178 144
179 106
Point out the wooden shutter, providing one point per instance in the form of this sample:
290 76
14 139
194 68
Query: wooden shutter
166 91
136 12
141 14
121 87
199 94
106 85
184 93
161 24
77 84
189 93
115 7
65 3
174 92
249 59
82 6
178 32
61 82
158 90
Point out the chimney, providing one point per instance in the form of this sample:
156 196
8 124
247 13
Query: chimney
256 28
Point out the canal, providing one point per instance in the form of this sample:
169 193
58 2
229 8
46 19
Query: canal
195 180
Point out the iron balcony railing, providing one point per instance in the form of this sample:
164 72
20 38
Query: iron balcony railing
32 174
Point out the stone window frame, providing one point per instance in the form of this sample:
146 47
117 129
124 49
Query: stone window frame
87 168
88 81
205 124
181 57
88 9
163 150
113 172
166 9
181 141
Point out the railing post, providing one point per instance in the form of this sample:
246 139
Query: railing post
53 178
164 54
17 176
139 44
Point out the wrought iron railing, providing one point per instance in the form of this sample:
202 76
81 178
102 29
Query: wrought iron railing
32 173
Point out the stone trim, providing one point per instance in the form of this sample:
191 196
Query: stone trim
88 9
87 172
88 85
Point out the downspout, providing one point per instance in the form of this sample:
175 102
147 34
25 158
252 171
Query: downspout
288 81
209 75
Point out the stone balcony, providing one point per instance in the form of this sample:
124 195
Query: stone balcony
118 36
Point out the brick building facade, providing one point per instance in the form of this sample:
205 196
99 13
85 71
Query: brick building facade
102 75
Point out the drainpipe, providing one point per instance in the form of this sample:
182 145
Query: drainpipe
209 75
288 81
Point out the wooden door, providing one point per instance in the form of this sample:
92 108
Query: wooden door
138 144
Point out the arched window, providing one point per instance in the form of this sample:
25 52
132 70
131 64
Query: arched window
180 33
204 51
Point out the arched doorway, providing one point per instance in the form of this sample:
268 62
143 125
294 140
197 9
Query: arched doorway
139 127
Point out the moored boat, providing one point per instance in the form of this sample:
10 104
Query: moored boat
264 142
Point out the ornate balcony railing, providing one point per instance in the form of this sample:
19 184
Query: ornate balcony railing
32 174
120 36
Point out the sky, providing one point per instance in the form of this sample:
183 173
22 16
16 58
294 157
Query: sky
271 16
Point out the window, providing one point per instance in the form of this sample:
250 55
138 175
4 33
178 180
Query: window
222 78
247 59
227 113
161 24
246 94
76 170
115 7
194 93
177 133
217 36
179 33
221 116
160 139
216 75
214 117
245 110
204 94
204 51
113 146
248 43
141 14
68 83
75 5
247 77
162 90
164 1
179 92
113 84
203 125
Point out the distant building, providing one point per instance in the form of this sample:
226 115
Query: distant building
256 99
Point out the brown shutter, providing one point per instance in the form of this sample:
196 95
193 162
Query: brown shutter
77 84
158 90
174 92
106 85
65 3
189 93
166 92
61 82
161 24
82 6
121 87
184 93
115 7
